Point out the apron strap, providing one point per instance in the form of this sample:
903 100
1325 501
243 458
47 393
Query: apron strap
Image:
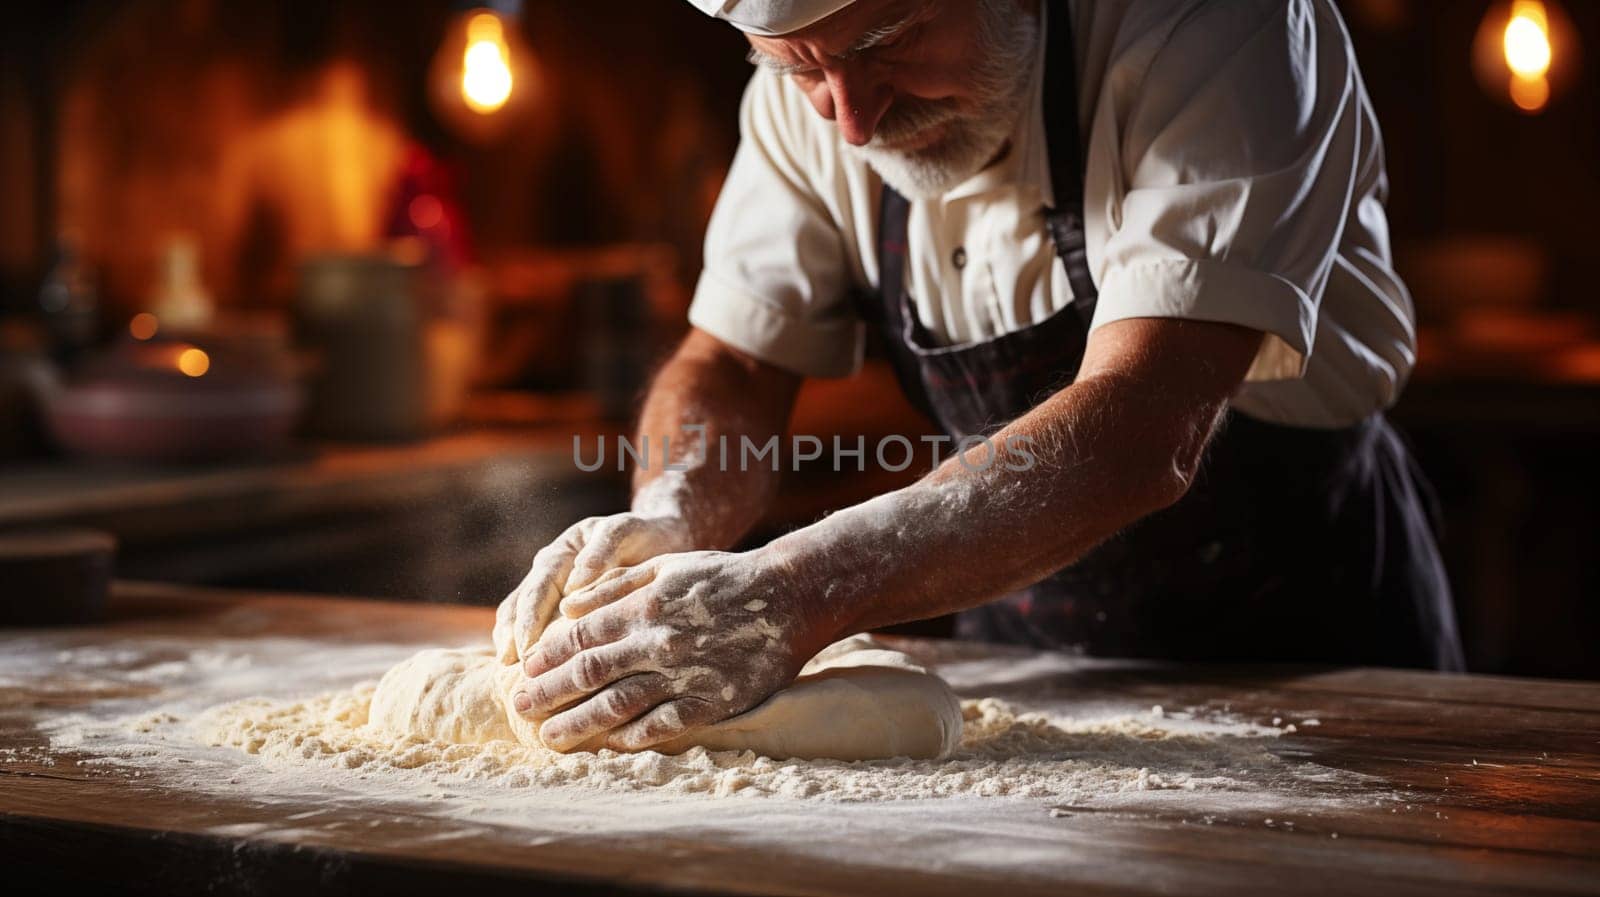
1064 141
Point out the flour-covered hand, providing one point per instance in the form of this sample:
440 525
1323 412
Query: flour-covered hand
678 642
578 557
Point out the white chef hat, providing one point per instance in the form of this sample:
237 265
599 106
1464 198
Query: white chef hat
771 17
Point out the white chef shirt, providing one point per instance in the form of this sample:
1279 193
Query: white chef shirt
1234 174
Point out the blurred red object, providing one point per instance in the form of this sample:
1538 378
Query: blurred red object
425 211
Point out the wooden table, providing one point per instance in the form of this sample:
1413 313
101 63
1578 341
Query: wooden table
452 518
1482 785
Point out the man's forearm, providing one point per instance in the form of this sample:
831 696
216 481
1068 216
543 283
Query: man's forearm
733 397
715 632
1107 450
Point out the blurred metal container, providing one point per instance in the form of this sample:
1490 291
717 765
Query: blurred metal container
363 318
618 343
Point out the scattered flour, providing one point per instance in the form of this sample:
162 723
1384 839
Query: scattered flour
281 722
1004 753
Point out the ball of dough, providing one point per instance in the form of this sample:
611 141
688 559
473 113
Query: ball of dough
448 696
854 701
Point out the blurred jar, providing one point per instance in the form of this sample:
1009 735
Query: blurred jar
393 345
618 343
452 341
178 298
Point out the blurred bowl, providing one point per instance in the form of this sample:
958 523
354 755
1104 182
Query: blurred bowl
175 401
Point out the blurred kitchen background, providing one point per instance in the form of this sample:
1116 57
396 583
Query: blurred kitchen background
315 296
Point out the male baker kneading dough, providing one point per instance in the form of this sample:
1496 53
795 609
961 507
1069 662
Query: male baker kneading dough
1142 241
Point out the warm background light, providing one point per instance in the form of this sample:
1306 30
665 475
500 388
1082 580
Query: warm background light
486 79
1530 94
483 77
1527 48
425 211
194 362
1527 40
143 326
1525 52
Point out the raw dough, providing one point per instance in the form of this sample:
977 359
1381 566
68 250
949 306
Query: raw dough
857 700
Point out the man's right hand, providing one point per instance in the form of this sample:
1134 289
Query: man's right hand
729 395
581 555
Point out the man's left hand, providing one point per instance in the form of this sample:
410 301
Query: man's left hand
680 641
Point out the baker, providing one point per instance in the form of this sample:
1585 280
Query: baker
1138 245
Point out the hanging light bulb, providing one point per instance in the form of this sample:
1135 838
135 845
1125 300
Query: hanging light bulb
1525 51
486 78
482 72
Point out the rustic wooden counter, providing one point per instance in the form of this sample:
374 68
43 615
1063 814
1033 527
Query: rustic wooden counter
1488 785
452 518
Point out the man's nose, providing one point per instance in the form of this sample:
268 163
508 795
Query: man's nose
859 102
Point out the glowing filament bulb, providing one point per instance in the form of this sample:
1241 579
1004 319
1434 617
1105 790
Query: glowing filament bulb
1527 40
486 65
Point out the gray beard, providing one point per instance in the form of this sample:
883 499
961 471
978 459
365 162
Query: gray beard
973 133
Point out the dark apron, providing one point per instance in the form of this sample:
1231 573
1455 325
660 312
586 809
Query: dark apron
1292 545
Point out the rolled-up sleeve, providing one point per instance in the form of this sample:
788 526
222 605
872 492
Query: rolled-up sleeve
1221 176
776 279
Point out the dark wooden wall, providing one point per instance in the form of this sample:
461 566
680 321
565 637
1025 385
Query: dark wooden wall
235 121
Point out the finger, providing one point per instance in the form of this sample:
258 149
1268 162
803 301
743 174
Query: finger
607 590
622 701
539 594
607 576
588 672
567 638
505 642
619 544
538 597
664 723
